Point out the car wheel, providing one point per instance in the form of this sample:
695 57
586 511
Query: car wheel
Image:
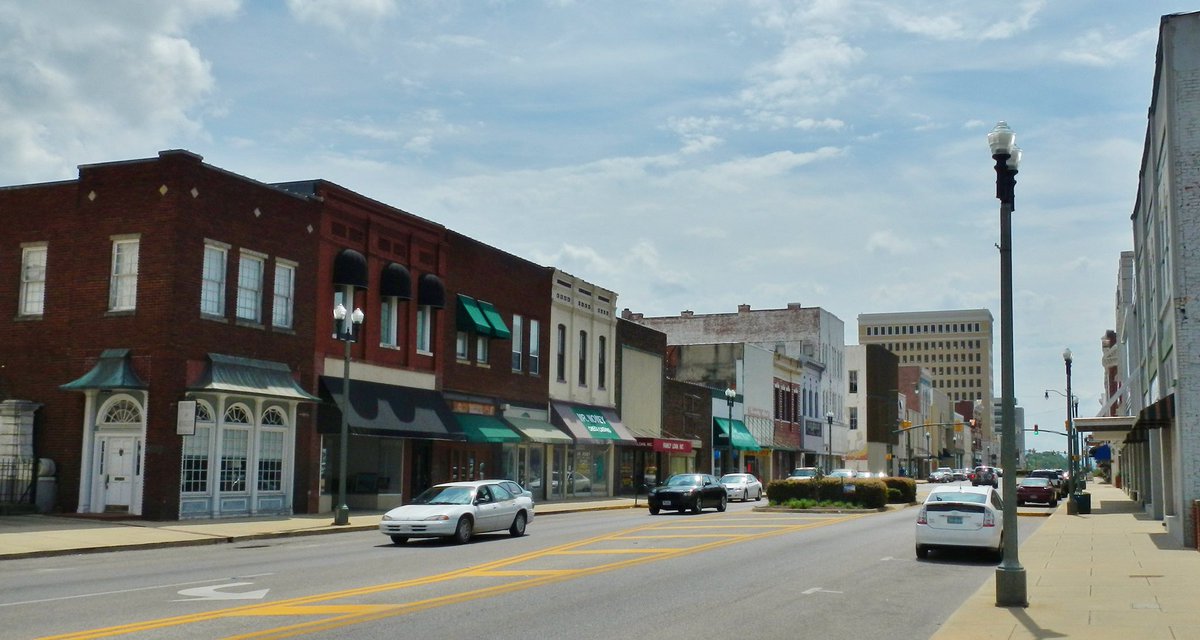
721 505
998 554
399 539
1020 503
758 496
518 526
699 506
1053 503
653 511
462 533
922 551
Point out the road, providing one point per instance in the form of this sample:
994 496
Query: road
588 575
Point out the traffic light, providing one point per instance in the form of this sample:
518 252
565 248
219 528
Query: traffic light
1035 429
905 424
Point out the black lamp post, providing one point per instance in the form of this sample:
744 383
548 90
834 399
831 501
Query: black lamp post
1010 575
1072 449
730 395
347 332
829 447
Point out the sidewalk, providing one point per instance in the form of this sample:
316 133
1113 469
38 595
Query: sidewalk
28 536
1112 573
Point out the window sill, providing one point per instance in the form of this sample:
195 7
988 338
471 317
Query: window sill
214 318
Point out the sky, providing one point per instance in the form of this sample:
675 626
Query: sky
688 155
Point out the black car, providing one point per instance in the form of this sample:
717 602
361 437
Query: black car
684 491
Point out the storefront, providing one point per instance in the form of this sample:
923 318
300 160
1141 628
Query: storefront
587 467
652 461
529 461
735 448
402 440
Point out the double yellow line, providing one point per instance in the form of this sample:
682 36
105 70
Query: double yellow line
334 616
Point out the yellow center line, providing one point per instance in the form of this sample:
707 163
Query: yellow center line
345 615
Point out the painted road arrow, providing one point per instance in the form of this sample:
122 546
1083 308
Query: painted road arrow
214 593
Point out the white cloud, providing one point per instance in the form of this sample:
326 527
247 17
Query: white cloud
1101 48
346 16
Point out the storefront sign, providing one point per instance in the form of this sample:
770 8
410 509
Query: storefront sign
596 424
185 418
672 446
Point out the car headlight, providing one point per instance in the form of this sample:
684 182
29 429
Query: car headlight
440 516
387 516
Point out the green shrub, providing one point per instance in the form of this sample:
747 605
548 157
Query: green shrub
907 488
869 494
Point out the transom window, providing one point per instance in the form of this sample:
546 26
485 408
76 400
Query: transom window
123 411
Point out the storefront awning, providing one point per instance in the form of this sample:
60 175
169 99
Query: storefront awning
386 410
480 428
112 371
736 434
539 431
469 317
233 374
666 445
591 425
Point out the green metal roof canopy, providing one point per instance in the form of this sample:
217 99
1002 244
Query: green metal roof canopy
739 436
112 371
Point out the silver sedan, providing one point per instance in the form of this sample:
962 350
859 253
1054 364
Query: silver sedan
742 486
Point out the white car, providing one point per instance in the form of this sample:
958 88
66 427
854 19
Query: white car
961 516
742 486
459 510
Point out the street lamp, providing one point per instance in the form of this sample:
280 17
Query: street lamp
730 395
347 332
928 453
1010 575
829 447
1072 506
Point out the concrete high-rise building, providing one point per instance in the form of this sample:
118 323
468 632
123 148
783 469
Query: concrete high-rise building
954 346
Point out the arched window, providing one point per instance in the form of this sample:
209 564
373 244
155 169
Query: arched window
122 410
273 417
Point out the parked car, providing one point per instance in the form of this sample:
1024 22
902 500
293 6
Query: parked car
459 510
684 491
872 474
942 474
516 489
1055 478
742 486
985 475
961 516
843 473
806 473
962 474
1037 489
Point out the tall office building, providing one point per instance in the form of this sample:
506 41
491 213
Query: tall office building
955 347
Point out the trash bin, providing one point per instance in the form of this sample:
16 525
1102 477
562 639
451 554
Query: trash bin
1083 502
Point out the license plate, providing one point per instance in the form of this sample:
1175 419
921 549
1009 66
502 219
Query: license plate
954 519
666 503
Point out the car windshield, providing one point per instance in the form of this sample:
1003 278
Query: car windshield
804 473
685 480
957 496
1035 482
445 495
734 478
841 473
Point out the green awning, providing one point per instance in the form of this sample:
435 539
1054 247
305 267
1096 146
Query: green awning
539 431
470 317
112 371
735 433
485 428
233 374
499 329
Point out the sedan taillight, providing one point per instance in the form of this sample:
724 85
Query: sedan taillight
989 519
922 516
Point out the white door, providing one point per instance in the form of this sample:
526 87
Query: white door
117 463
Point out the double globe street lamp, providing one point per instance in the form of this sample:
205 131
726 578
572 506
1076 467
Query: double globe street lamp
347 332
1010 575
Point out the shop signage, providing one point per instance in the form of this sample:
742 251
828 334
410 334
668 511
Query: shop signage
672 446
596 424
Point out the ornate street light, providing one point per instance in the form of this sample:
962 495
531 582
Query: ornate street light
1072 506
1010 575
829 448
347 332
730 395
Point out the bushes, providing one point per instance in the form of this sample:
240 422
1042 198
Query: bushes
868 494
907 488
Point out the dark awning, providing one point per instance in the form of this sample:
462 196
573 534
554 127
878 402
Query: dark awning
386 410
1158 415
735 434
112 371
592 425
395 282
469 317
431 292
479 428
233 374
499 329
350 268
